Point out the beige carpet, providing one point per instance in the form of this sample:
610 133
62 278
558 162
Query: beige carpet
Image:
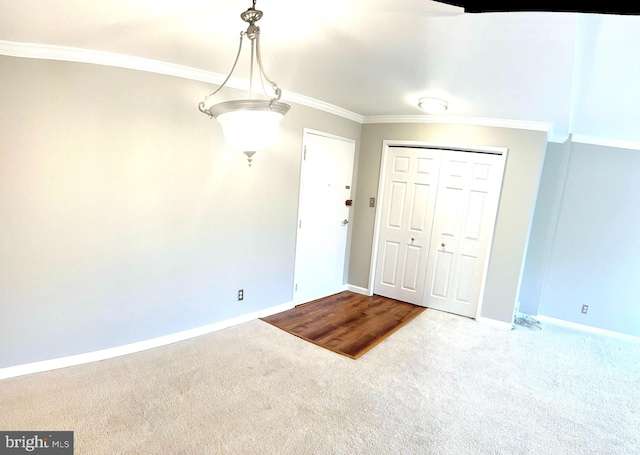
441 385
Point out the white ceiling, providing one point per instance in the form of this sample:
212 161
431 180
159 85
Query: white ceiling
376 57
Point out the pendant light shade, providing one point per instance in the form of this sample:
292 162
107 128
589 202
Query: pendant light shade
249 125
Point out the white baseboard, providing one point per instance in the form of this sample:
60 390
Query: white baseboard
54 364
587 328
358 289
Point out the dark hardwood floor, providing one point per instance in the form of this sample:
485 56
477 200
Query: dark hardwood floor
347 323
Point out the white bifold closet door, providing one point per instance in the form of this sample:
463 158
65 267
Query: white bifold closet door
438 212
408 205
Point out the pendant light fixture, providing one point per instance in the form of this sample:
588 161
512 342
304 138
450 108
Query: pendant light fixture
249 125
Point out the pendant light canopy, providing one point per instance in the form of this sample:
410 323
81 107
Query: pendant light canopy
249 125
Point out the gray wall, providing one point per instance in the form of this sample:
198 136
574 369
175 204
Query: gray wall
544 224
595 256
522 174
123 214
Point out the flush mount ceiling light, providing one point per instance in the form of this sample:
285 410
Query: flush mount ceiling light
249 125
433 105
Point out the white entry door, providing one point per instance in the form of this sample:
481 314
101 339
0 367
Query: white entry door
323 216
468 193
405 229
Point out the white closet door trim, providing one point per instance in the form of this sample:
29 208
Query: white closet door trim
386 144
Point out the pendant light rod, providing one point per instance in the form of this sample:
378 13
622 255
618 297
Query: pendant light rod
250 16
202 103
253 48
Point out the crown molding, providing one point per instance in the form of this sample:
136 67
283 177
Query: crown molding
471 121
78 55
321 105
615 143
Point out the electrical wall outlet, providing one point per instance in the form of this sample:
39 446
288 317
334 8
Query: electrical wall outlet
585 308
240 294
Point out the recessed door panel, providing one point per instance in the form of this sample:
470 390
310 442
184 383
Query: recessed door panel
420 208
464 281
442 271
456 169
475 210
426 166
396 204
390 261
481 172
411 268
401 164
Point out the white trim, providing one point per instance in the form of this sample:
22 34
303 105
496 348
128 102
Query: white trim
328 135
616 143
322 106
358 290
444 145
373 263
63 362
557 138
71 54
471 121
587 328
496 323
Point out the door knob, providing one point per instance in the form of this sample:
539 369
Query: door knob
345 222
443 245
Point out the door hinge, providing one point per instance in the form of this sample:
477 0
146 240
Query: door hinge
300 224
296 290
305 153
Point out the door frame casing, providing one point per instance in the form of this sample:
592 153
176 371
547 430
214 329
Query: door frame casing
305 132
386 144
